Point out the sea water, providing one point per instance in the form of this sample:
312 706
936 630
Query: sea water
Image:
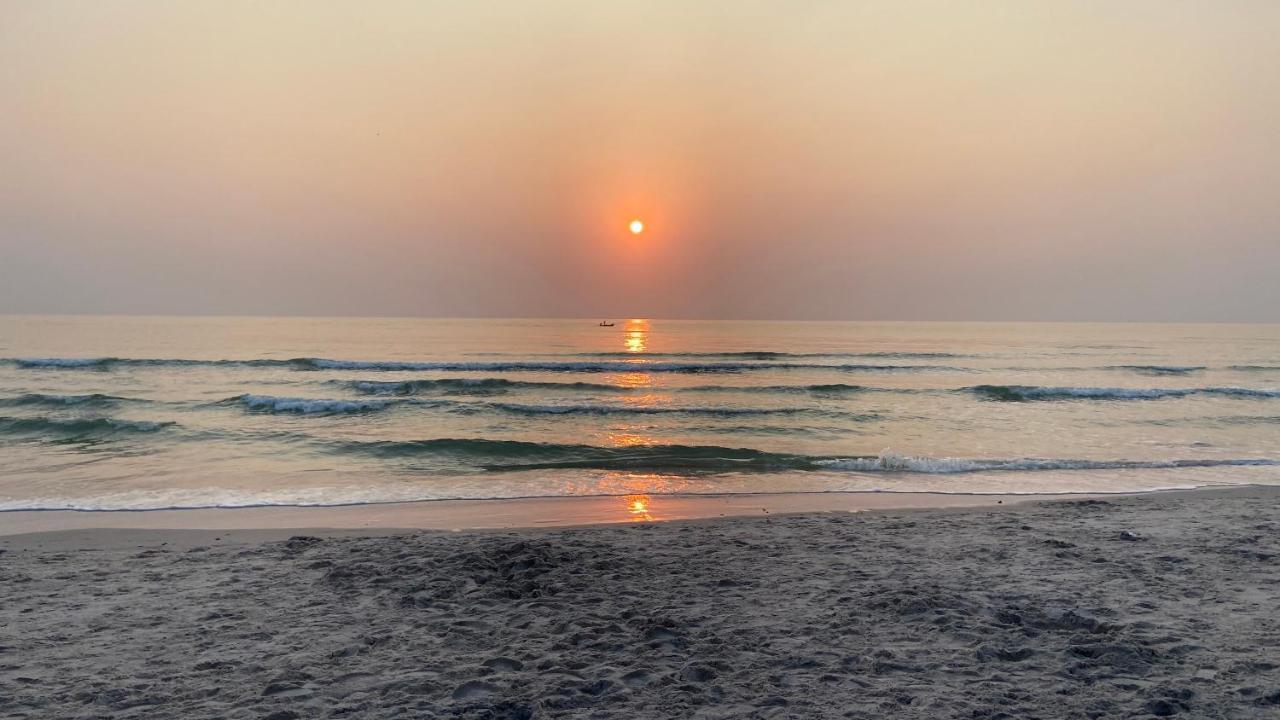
152 412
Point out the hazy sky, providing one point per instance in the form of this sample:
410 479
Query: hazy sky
1109 160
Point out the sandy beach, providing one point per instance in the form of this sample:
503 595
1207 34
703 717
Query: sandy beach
1153 605
639 360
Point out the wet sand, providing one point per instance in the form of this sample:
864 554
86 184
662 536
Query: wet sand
495 514
1153 605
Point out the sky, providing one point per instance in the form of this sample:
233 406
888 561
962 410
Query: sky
895 160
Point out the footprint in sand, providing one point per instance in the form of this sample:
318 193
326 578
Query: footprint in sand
503 664
697 673
659 635
635 679
474 690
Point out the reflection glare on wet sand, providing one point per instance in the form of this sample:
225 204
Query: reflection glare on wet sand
638 507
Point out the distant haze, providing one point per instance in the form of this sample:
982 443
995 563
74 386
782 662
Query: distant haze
846 160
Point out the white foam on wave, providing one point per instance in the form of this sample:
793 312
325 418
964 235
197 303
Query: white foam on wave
1108 392
889 461
309 406
1092 392
60 400
1243 392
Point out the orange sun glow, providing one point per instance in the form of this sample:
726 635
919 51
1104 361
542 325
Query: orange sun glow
637 227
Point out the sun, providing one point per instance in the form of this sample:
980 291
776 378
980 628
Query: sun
637 227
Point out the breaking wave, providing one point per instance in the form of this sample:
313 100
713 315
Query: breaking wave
92 363
893 462
525 409
1027 393
307 406
472 386
511 455
819 389
497 386
46 400
310 406
76 428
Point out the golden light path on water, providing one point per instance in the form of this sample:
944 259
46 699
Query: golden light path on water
623 437
636 336
633 380
635 340
637 505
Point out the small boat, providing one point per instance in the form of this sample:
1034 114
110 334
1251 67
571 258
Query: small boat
604 323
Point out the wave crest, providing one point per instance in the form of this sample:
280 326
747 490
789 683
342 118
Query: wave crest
306 406
893 462
48 400
1161 369
77 428
512 455
1027 393
472 386
102 363
642 410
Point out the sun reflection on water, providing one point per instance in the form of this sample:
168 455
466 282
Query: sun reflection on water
625 483
633 380
625 437
647 400
636 336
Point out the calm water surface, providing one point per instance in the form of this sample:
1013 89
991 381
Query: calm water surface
112 413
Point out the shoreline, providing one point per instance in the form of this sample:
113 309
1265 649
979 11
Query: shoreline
510 513
274 522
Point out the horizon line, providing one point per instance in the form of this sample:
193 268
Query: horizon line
622 318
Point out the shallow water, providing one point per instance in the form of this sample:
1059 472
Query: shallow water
99 412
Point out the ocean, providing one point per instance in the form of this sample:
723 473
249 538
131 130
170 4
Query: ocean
113 413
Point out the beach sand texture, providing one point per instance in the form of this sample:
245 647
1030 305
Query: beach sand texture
1155 605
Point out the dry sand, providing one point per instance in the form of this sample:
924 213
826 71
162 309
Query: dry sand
1163 604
